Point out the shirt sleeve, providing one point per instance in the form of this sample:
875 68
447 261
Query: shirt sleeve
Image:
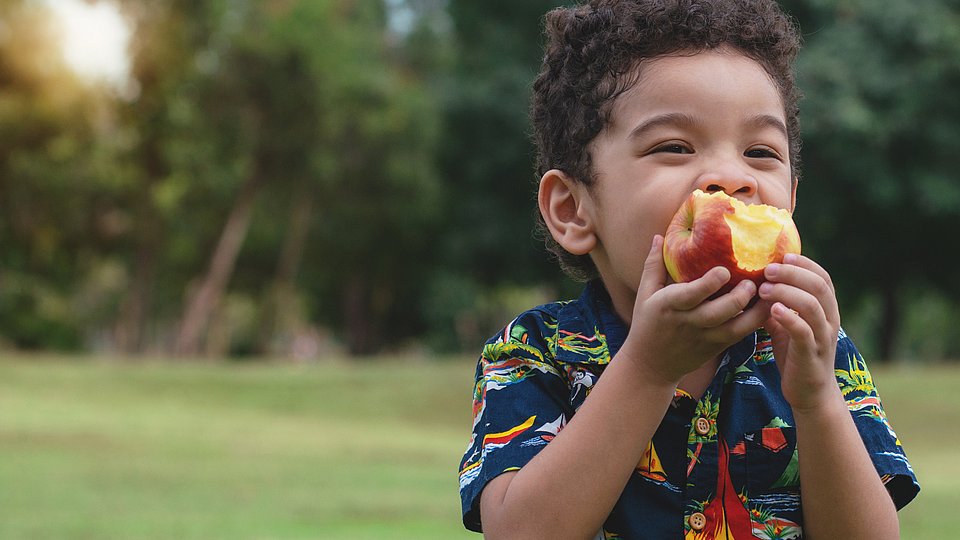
882 443
520 402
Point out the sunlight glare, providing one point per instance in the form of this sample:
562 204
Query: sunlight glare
95 38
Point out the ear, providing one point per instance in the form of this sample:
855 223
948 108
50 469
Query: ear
565 206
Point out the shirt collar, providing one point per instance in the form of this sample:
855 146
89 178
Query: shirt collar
590 332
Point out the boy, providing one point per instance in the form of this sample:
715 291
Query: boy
710 412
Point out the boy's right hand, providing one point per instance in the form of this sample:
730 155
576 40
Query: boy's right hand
679 327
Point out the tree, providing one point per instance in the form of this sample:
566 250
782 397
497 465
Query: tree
51 167
882 148
487 249
165 39
248 105
380 202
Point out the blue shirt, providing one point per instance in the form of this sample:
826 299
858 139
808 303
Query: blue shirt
724 464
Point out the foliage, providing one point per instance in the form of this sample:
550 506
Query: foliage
310 110
486 162
50 179
882 148
293 176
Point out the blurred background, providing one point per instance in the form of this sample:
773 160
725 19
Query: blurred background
249 249
303 178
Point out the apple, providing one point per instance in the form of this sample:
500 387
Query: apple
714 229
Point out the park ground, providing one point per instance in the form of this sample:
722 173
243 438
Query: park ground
105 449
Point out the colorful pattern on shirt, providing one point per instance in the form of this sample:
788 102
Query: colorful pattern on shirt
722 466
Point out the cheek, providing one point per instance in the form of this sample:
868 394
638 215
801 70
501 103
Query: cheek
780 194
665 213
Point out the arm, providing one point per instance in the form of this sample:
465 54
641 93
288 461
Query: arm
841 492
591 460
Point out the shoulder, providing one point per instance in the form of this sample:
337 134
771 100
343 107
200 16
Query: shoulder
852 372
539 320
531 332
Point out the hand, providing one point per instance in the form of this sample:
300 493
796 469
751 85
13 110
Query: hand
679 326
804 323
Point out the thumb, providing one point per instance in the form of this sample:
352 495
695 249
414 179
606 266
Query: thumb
654 275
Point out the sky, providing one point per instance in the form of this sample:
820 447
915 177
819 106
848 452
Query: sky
95 39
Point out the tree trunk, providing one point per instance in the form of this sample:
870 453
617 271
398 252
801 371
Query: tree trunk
280 295
356 316
889 323
137 302
207 297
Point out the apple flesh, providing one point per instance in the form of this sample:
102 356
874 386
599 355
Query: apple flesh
714 229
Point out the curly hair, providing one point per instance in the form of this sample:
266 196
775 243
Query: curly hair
592 55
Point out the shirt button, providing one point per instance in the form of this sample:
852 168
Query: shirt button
697 521
701 426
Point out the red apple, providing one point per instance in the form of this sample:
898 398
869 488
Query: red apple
714 229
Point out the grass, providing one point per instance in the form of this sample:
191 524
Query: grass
922 403
105 450
95 450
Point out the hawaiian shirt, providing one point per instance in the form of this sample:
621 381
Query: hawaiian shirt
722 466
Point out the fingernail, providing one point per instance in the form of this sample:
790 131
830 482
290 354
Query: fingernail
772 269
766 288
790 258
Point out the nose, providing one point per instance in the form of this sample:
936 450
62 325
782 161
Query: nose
730 179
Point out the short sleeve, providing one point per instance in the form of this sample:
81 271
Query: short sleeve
520 402
882 443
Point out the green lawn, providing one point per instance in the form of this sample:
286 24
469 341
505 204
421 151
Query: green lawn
106 450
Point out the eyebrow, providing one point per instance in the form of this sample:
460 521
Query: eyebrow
767 120
660 120
686 121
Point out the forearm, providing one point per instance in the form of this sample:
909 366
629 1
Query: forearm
842 494
589 462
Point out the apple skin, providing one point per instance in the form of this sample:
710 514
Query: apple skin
714 229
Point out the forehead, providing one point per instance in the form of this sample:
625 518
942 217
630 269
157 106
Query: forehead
711 84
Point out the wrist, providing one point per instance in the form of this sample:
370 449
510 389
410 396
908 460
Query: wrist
829 404
637 361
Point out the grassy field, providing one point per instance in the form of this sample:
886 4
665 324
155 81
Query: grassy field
106 450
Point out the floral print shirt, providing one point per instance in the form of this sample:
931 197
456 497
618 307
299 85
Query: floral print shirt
722 466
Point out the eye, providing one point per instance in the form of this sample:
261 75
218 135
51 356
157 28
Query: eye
672 148
761 152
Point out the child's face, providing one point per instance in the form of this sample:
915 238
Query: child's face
713 121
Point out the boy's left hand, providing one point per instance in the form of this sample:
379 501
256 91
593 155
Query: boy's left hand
804 323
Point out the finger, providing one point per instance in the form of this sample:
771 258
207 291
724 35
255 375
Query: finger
804 305
803 261
802 338
741 325
749 321
809 277
780 338
717 311
687 296
654 275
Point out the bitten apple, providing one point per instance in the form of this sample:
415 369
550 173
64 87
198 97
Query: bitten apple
714 229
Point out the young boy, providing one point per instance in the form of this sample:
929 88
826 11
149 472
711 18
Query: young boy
650 409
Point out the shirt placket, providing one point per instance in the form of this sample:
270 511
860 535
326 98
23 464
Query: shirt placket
701 466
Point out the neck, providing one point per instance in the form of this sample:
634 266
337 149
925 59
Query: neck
697 381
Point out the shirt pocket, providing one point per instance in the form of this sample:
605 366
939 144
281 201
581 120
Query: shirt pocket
773 483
